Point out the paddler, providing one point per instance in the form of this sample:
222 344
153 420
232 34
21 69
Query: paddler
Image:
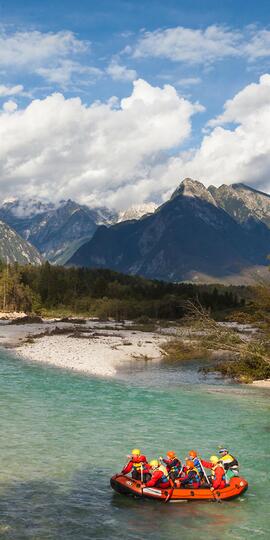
191 477
173 464
193 456
230 463
137 465
160 477
218 478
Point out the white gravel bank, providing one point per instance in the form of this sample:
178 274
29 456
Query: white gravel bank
100 355
264 383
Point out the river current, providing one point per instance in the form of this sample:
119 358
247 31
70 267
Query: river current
63 435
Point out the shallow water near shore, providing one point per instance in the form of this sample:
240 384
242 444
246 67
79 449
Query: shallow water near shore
63 435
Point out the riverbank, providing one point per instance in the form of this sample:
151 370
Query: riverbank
95 352
89 346
264 383
102 348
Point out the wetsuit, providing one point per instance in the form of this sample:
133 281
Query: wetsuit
159 479
218 478
138 467
198 466
173 467
191 479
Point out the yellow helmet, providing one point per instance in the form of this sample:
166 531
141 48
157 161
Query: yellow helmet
154 463
214 460
136 452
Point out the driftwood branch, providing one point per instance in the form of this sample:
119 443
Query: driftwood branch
220 337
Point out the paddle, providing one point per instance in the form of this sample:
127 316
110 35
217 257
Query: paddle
215 495
171 492
141 473
171 482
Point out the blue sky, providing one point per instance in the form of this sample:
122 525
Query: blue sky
208 52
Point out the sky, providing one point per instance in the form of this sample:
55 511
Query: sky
114 103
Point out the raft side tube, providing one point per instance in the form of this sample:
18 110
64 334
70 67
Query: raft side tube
126 485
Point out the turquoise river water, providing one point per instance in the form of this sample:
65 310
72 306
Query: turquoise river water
63 435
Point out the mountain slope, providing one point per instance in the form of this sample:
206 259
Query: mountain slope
243 203
13 248
55 230
187 236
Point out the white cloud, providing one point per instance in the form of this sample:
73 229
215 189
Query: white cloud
10 90
63 73
119 72
253 99
203 46
10 106
59 147
189 81
34 48
189 45
259 45
240 154
50 55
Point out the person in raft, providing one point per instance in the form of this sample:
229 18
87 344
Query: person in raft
137 465
193 456
160 477
218 478
191 478
173 464
230 463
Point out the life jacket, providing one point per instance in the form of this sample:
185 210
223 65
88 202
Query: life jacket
139 464
197 478
197 464
165 477
213 474
176 468
227 460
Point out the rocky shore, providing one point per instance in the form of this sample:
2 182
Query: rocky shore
101 348
95 348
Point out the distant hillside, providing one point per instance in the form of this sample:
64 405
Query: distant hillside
191 237
57 231
13 248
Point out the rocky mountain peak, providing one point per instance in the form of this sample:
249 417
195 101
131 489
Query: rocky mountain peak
242 202
137 211
193 188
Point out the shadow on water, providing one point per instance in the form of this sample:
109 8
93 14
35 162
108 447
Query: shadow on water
87 508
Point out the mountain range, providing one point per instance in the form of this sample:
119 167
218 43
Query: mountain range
56 231
199 234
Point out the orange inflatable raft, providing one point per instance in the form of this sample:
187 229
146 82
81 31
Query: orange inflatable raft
127 486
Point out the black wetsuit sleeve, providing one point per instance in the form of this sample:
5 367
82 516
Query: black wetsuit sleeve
233 463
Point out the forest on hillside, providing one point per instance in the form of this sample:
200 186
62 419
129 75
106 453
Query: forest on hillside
104 293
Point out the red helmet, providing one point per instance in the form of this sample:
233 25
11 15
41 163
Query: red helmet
190 464
192 454
171 454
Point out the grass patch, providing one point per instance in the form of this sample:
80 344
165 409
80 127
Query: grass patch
151 327
244 370
177 349
250 359
222 339
55 313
